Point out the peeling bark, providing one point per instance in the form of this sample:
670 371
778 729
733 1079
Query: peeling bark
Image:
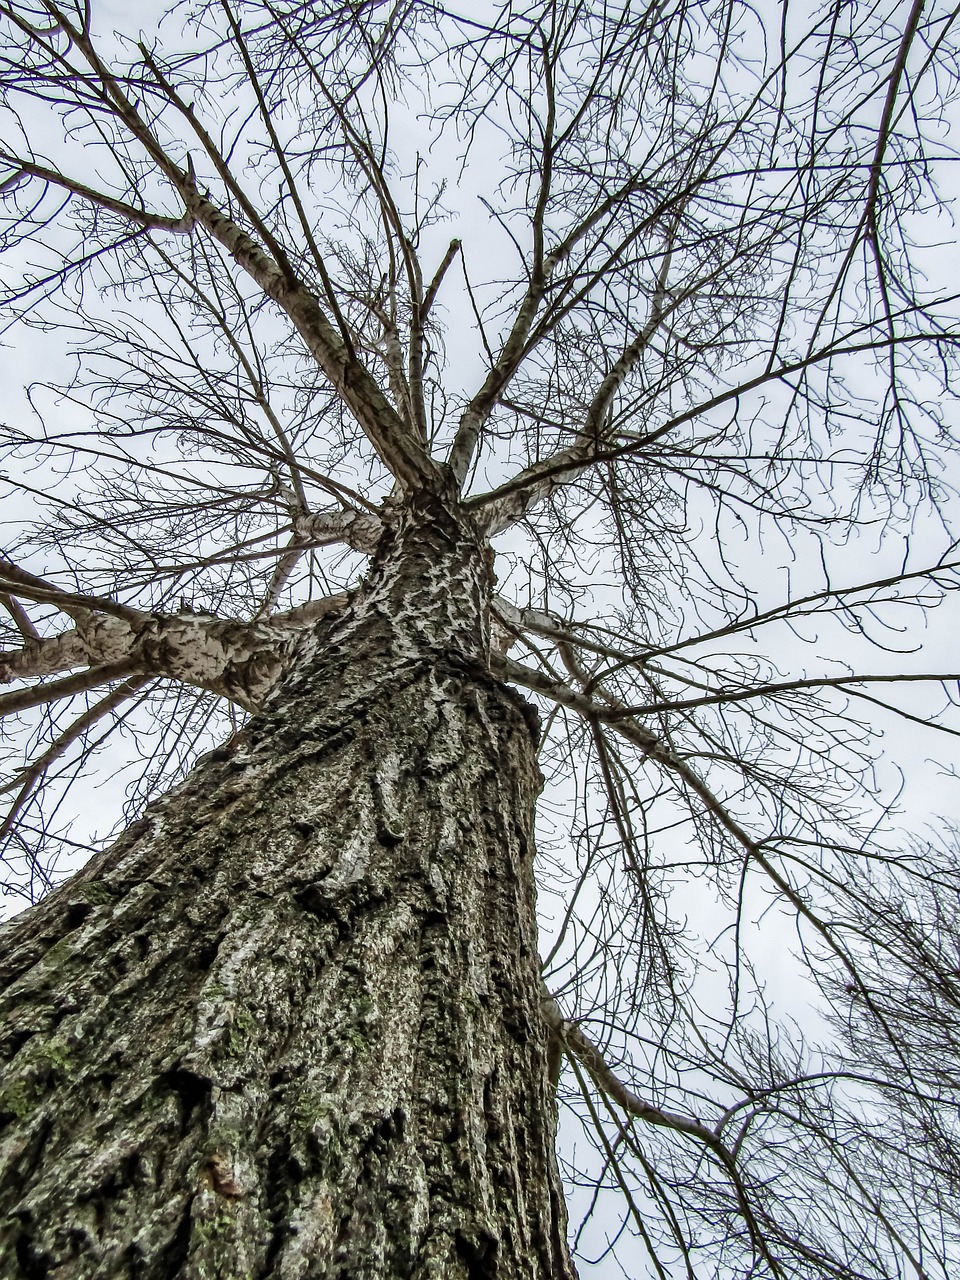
288 1025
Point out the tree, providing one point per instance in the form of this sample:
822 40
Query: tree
639 480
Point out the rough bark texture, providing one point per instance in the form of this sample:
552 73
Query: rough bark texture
288 1025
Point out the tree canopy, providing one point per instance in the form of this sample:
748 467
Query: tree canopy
666 294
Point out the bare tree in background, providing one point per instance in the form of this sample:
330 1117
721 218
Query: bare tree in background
433 401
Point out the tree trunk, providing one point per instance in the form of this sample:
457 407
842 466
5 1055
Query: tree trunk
288 1025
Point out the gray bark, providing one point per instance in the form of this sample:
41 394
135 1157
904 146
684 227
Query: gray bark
288 1025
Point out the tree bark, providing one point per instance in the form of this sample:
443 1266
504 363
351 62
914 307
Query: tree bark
288 1025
